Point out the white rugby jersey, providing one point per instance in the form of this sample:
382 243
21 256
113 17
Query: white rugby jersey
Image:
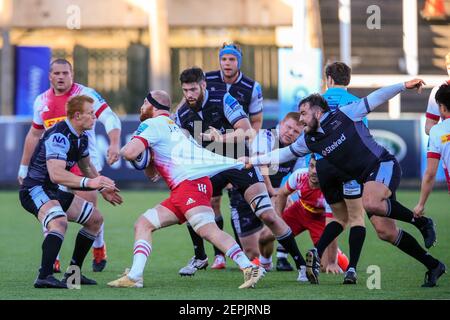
49 109
177 157
432 107
439 147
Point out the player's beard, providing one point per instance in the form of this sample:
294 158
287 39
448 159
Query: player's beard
313 126
197 105
147 114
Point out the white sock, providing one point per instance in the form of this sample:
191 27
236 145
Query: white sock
235 253
99 241
265 260
142 250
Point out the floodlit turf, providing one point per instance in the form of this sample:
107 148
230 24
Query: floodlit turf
21 239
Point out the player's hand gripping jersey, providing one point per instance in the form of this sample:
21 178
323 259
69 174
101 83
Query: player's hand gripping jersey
177 157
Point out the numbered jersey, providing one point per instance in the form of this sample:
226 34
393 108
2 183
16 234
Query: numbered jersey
50 109
178 157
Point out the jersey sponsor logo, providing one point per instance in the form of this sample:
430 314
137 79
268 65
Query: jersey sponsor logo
334 145
48 123
141 128
445 138
231 102
190 201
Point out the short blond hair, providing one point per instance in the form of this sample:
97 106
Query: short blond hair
447 59
75 104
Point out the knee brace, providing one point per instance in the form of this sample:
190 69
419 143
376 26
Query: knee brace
260 204
53 213
152 216
200 219
86 211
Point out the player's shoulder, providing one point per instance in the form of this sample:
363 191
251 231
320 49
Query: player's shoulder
300 172
79 89
213 76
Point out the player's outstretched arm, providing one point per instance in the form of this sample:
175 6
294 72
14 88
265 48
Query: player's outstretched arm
358 110
31 141
59 175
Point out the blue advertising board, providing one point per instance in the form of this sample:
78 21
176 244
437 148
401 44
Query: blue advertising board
32 68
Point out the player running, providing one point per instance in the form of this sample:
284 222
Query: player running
186 167
49 109
61 147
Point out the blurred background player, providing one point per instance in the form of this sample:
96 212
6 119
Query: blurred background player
61 147
185 166
310 212
49 109
219 121
438 148
248 93
433 115
245 222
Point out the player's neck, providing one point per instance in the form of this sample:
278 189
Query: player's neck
336 86
61 93
77 127
231 80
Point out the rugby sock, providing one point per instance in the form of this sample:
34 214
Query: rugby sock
50 248
398 212
141 251
331 231
409 245
219 222
356 241
99 240
281 252
236 236
82 245
45 231
288 242
197 241
238 256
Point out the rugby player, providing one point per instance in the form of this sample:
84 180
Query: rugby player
219 121
186 167
61 147
343 139
249 95
49 109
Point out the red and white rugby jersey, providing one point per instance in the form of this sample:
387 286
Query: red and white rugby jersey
177 157
432 107
439 146
312 199
49 109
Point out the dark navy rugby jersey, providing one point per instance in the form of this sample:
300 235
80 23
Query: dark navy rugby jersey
344 140
60 142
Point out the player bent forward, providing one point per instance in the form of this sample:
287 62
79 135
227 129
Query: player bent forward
186 167
60 148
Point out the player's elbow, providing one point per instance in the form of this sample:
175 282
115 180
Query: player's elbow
55 176
127 154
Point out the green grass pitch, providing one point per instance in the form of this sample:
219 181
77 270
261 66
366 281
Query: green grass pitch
21 239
